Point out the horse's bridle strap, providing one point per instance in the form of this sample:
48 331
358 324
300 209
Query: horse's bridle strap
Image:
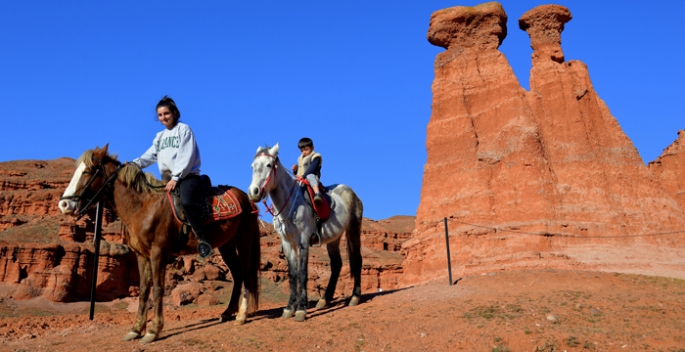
270 209
99 193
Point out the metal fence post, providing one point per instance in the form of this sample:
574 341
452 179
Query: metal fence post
449 259
96 259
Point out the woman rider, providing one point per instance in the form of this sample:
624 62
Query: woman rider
175 151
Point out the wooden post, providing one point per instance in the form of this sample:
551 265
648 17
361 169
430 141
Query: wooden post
96 259
449 260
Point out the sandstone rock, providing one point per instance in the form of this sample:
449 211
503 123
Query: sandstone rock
185 294
51 269
30 287
528 179
215 285
544 25
207 299
189 265
669 169
58 286
483 26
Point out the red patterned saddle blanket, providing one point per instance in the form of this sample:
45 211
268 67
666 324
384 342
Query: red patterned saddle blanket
221 205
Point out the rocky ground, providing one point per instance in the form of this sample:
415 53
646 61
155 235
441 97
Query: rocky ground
543 310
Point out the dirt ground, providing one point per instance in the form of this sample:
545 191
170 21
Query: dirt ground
548 310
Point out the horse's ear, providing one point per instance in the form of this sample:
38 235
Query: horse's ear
101 152
274 150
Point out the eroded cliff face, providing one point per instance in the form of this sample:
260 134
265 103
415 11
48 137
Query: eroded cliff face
669 169
43 253
539 178
46 254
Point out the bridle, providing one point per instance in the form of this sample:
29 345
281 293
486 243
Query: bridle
266 181
99 172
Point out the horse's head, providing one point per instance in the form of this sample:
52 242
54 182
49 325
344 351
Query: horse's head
263 172
89 179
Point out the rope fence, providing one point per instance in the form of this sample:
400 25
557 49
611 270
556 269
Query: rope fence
549 234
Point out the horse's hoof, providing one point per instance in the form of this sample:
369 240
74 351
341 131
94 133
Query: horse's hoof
321 304
240 321
148 338
353 301
299 315
132 335
287 313
224 318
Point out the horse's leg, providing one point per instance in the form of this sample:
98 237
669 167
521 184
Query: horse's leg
249 254
336 265
241 318
230 256
302 273
158 270
145 280
354 252
291 257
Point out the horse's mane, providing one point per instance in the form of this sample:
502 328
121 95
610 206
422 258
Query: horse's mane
131 175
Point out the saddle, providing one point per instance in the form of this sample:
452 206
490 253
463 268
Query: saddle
321 212
221 203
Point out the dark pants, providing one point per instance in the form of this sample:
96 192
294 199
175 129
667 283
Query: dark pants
191 201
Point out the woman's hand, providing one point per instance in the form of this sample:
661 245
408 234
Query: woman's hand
170 186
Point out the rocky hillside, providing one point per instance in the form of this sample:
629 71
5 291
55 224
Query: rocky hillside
43 253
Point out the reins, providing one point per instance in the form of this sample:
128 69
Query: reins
145 178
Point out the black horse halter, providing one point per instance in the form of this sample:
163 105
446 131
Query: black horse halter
99 172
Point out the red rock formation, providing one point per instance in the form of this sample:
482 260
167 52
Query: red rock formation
547 176
669 168
63 272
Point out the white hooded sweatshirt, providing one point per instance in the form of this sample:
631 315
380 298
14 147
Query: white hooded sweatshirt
175 151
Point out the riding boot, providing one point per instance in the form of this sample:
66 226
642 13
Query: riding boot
318 199
191 200
203 247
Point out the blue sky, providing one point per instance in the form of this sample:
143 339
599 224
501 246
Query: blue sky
354 76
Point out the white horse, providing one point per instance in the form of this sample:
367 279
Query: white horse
295 221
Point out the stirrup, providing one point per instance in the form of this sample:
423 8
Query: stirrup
318 199
315 235
204 249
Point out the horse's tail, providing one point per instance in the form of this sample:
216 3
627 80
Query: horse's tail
354 242
252 273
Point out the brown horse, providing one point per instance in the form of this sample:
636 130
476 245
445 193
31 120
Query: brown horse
141 203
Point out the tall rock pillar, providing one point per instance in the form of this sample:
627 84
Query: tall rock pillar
481 139
600 179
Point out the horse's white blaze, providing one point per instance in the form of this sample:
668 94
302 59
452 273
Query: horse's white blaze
260 172
67 206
